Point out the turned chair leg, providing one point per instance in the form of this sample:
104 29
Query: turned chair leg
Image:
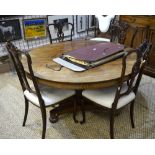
132 114
112 125
26 111
43 112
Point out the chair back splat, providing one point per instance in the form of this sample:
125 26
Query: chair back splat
59 27
140 34
117 31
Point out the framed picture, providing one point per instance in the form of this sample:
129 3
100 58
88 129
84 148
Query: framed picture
63 19
91 21
80 23
34 28
10 30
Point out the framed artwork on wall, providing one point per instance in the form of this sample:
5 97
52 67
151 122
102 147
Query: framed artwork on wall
34 28
64 19
91 22
80 23
10 30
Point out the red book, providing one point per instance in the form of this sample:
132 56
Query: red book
96 52
90 56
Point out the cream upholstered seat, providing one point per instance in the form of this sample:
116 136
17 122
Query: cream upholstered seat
100 39
50 95
106 96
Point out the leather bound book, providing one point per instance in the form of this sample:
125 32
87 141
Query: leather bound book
90 56
96 52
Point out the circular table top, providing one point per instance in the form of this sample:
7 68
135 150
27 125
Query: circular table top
101 76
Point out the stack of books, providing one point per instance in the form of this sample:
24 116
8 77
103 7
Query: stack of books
90 56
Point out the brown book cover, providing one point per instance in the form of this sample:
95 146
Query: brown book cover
96 52
90 56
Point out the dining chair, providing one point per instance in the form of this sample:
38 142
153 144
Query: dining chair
115 31
139 34
118 30
59 28
39 95
115 98
104 23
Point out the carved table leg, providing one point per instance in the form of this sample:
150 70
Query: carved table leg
54 116
80 102
68 107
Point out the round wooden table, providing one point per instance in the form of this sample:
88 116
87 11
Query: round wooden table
102 76
47 72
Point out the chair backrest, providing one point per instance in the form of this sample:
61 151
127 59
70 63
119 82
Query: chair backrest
59 29
133 82
139 35
15 55
118 31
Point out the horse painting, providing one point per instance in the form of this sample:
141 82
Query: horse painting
10 30
7 30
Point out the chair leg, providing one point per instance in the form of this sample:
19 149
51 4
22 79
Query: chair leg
112 115
132 114
43 112
26 111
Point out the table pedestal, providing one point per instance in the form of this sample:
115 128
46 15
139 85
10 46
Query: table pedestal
70 107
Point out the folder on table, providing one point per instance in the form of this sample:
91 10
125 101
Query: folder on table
90 56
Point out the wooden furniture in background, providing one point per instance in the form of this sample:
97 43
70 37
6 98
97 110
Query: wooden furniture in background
145 25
